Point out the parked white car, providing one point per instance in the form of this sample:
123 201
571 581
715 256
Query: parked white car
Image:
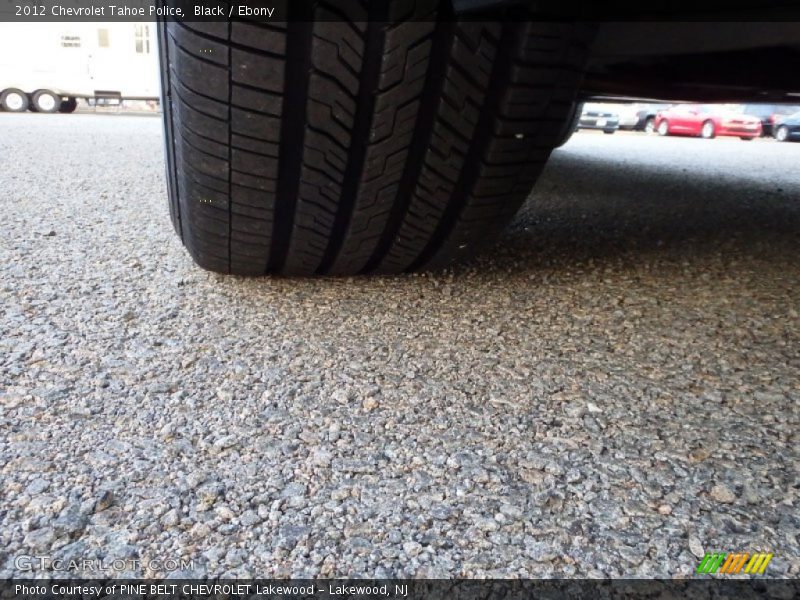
628 116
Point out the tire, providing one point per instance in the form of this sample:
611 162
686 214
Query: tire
571 125
45 101
708 131
746 139
609 131
663 128
358 143
14 100
650 125
782 134
68 106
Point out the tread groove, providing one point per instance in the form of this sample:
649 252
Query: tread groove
230 146
468 177
241 106
432 89
229 42
298 65
365 108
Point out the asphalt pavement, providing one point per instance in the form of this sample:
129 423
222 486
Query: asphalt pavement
611 390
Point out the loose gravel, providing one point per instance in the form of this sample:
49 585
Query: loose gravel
612 390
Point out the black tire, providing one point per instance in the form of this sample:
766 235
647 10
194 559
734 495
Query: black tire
650 125
782 134
746 139
14 100
708 131
68 106
343 144
663 128
609 131
45 101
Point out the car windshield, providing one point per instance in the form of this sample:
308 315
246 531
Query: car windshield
707 108
766 110
692 108
785 110
596 107
760 110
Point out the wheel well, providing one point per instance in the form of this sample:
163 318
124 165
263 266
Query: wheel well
686 61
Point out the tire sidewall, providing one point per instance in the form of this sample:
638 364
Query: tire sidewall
782 134
570 125
663 128
708 131
650 125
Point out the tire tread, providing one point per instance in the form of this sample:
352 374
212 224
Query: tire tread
359 137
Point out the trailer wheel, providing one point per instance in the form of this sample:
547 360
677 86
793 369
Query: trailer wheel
45 101
14 100
68 106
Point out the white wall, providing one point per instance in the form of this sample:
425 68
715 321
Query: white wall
33 56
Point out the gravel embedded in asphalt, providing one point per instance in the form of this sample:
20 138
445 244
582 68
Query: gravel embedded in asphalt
612 390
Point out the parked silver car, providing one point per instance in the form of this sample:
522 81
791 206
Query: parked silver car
599 116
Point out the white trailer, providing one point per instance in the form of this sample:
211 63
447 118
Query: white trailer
46 67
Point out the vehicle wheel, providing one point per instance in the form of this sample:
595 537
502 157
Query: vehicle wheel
746 139
650 125
609 131
68 106
45 101
358 143
782 134
663 128
707 131
14 100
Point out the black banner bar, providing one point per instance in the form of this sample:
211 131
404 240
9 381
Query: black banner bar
415 589
282 11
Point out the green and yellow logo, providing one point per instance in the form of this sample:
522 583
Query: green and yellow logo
731 564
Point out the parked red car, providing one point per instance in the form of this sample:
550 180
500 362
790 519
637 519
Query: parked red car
706 120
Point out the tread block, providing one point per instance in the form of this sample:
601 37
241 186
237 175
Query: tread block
258 70
269 39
